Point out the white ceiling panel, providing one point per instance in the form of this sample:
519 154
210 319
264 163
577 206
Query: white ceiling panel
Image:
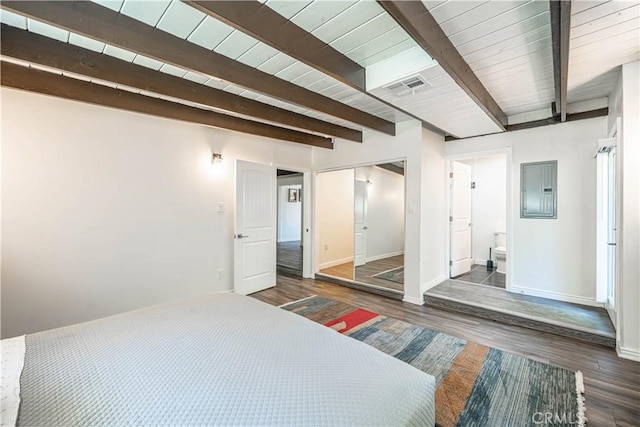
605 21
598 11
87 43
347 21
319 12
216 83
277 63
148 62
174 71
114 5
12 19
47 30
506 41
310 78
180 19
294 71
530 29
478 15
442 11
287 8
370 30
378 44
235 45
523 18
389 52
148 12
604 36
257 55
210 33
116 52
196 77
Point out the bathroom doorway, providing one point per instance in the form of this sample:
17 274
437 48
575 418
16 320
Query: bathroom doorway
478 219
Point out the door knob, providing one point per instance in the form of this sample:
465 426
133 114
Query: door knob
365 228
239 236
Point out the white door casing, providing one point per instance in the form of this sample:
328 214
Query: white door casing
360 219
460 219
255 228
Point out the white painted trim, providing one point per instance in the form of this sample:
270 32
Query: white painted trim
383 256
556 296
414 300
336 262
424 288
626 353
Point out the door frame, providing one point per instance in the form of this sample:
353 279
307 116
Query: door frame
307 223
509 212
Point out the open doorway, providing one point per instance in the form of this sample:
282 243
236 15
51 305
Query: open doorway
478 220
290 242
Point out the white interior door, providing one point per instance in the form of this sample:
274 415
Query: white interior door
360 229
460 219
255 228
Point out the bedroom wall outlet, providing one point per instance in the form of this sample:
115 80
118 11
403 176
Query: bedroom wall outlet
220 210
220 274
326 247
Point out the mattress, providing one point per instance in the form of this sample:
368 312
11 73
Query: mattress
222 359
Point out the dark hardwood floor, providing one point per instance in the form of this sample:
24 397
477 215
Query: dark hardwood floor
612 384
365 273
289 255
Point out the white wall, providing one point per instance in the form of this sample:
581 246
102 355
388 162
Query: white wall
334 220
554 258
385 212
433 212
488 203
289 213
624 103
105 211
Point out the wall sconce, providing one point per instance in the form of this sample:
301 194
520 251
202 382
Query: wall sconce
216 158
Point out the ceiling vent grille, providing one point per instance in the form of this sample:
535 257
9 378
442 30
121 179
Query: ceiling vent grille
409 86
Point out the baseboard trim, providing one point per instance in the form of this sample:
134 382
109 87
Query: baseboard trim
335 262
424 288
413 300
383 256
555 296
626 353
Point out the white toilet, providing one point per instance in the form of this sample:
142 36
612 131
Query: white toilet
501 251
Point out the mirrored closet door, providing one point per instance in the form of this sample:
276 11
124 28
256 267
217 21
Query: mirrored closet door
360 222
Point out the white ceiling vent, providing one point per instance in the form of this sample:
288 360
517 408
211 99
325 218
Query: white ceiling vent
409 86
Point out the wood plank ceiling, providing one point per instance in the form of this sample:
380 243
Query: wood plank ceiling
325 68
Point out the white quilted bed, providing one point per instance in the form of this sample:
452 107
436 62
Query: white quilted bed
222 359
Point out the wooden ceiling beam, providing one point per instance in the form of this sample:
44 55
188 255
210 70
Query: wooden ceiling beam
416 20
263 23
34 48
560 12
44 82
105 25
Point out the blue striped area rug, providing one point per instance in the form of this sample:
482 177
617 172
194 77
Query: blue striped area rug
476 385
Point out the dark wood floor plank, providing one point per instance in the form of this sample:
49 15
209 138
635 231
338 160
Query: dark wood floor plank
612 384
